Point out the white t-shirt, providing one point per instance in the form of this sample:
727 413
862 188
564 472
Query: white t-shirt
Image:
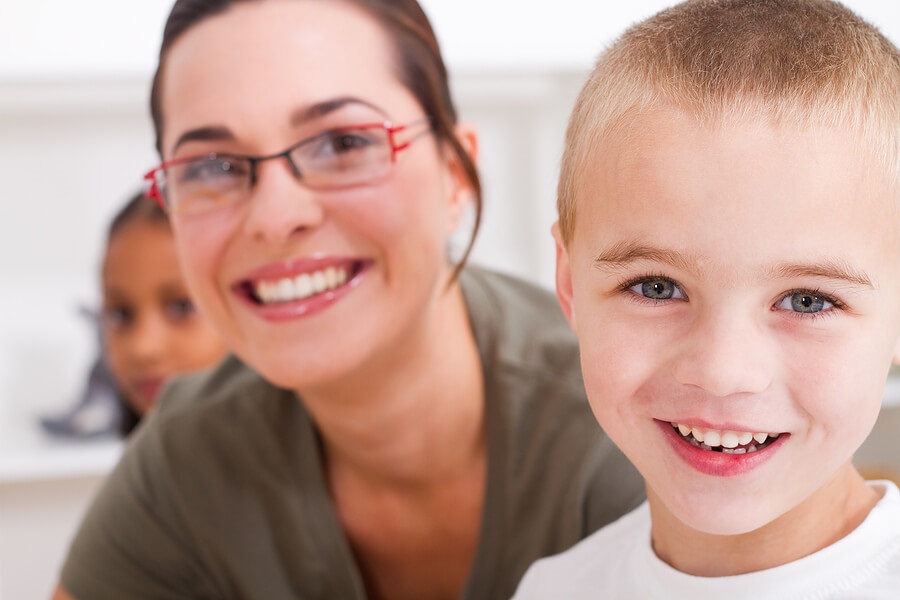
618 562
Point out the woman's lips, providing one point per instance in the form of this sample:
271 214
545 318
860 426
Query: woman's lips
299 288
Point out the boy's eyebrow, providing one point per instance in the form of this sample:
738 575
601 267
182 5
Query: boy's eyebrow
623 253
828 269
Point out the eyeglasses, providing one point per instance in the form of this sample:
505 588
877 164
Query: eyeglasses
339 158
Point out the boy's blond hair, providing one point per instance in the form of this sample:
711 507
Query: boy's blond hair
801 62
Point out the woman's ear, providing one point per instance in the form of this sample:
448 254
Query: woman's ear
564 278
462 193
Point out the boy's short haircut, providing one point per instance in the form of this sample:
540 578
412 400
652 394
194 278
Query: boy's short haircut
800 62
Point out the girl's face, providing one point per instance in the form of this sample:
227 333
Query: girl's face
308 285
150 328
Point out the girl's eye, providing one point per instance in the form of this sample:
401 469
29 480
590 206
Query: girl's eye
116 317
657 288
804 302
179 309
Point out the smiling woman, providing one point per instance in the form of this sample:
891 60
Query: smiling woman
393 424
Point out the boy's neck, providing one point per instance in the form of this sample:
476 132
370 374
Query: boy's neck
831 513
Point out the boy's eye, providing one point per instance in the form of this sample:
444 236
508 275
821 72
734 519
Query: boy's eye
804 302
658 288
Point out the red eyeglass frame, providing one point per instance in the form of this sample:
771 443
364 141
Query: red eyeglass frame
153 191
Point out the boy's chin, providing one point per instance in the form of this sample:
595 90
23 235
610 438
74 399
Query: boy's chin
715 516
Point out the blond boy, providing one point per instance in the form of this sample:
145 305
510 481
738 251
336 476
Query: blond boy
728 252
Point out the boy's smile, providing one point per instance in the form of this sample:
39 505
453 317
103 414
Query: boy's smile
736 290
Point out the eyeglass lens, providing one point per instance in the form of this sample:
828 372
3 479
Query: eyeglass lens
331 160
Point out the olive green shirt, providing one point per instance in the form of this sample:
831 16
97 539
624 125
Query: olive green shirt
221 494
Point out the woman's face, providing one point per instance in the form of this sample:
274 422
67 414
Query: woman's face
308 285
150 328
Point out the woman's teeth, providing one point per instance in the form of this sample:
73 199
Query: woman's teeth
729 442
290 289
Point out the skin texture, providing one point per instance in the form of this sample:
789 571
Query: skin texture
736 221
151 330
388 366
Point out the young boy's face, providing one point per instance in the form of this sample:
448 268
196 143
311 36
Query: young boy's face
739 280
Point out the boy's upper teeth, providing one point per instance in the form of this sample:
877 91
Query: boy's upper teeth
723 438
302 286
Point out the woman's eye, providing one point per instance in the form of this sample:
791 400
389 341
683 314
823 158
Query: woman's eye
211 169
337 143
657 288
804 302
345 142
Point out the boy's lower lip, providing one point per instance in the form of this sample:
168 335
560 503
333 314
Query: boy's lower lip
285 311
718 464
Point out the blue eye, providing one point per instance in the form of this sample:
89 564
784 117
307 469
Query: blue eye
804 301
657 288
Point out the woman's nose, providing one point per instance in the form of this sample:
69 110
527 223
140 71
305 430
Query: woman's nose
726 355
280 205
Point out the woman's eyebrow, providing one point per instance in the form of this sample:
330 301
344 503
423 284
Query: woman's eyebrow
298 117
320 109
203 134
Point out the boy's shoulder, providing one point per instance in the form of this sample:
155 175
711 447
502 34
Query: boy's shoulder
602 562
618 561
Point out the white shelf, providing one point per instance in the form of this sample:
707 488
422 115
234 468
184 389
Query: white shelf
29 454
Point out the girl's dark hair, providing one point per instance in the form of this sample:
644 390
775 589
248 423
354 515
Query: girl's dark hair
420 68
138 208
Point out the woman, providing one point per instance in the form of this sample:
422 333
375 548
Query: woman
392 426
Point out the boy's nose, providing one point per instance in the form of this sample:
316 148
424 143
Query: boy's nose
725 355
280 205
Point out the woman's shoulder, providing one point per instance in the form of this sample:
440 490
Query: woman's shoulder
222 401
518 323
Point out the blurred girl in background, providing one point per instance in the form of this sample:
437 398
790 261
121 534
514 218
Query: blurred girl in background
149 327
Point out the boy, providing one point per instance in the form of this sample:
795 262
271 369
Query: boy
728 252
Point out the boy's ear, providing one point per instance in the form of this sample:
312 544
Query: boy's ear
563 277
462 193
896 357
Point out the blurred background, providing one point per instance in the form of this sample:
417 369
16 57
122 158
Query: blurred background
75 138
